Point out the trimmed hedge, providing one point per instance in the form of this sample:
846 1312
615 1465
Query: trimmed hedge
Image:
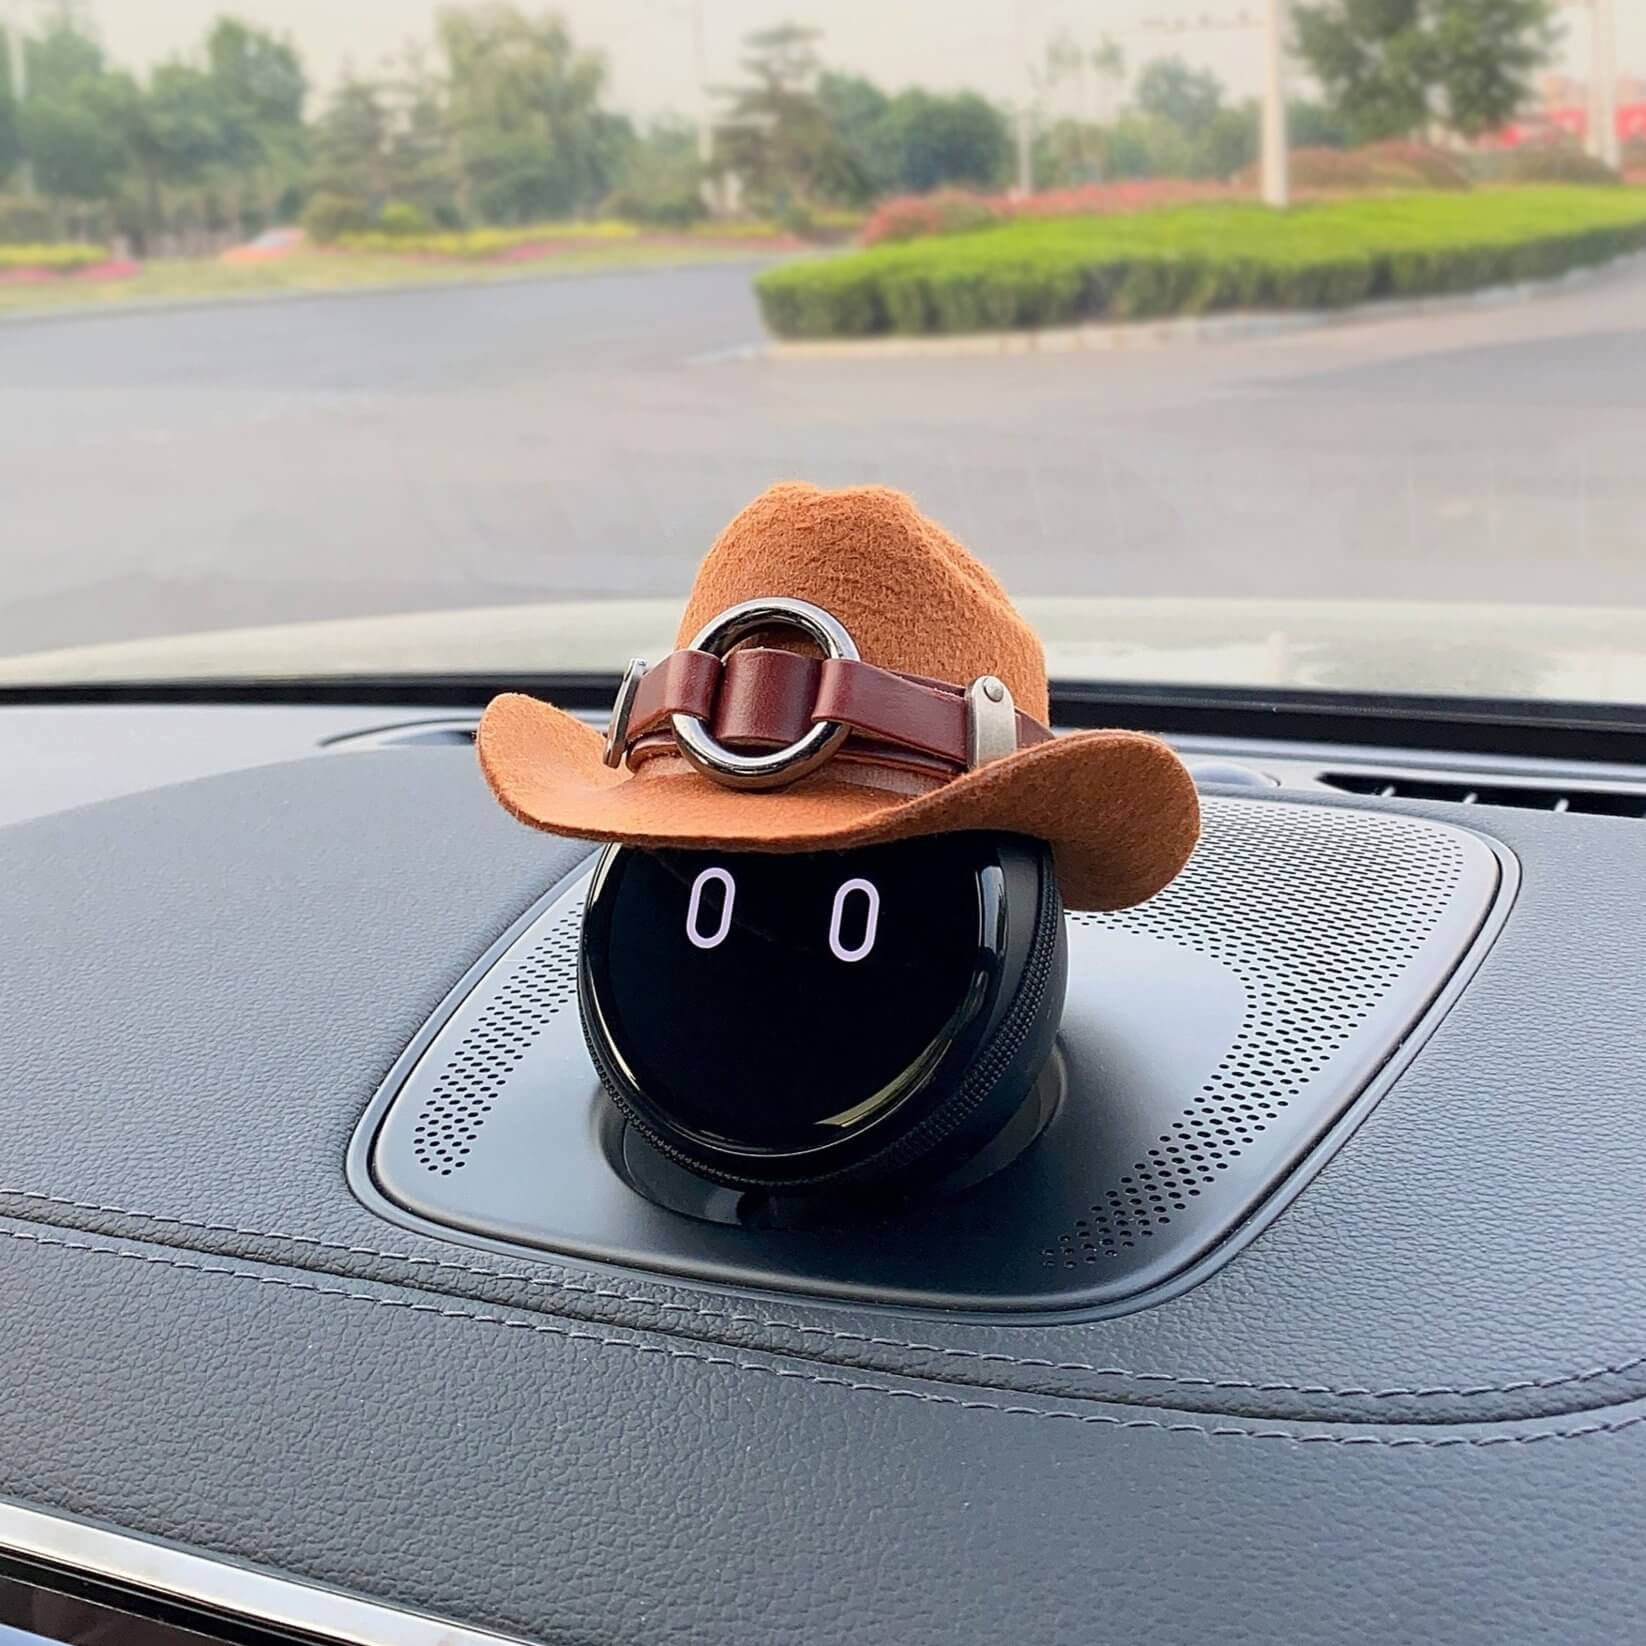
60 257
1198 259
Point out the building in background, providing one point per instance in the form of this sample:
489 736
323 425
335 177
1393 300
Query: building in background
1562 114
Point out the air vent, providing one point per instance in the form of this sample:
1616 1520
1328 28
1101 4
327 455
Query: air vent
1400 786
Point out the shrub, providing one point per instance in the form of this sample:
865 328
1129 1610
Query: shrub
57 257
664 209
1426 166
1379 166
1196 259
835 298
914 216
834 225
797 220
24 223
1551 163
328 217
1109 199
400 218
953 211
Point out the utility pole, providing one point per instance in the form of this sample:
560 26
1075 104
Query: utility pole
710 189
692 12
1276 184
1603 82
1274 168
1024 115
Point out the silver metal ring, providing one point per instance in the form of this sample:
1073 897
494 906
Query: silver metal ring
781 766
617 728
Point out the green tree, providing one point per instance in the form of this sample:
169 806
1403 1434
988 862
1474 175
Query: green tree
1148 146
856 108
1311 125
70 119
422 169
352 141
258 77
75 151
530 136
260 89
776 135
173 129
1109 60
1069 152
931 140
389 139
1394 66
662 177
1227 144
1072 151
63 59
1189 98
915 140
1072 141
11 140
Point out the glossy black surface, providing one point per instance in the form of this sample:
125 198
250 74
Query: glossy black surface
776 1004
63 1613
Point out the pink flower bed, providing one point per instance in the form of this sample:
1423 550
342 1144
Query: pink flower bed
117 269
952 211
1109 199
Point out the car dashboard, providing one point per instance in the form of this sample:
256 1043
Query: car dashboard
1401 1396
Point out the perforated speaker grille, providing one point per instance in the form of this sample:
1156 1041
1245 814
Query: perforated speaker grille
1363 896
462 1094
1212 1039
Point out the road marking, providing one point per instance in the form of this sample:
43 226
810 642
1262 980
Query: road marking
721 357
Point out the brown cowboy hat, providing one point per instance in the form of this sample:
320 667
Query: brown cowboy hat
894 692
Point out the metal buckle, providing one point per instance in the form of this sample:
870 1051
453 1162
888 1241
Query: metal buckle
781 766
991 722
617 728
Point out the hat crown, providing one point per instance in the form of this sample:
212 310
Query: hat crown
912 599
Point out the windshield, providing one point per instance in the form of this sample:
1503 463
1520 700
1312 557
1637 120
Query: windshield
1288 342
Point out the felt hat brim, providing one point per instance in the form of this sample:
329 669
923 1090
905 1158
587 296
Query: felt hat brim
1117 807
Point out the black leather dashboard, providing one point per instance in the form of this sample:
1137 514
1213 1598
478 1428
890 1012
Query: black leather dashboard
1413 1408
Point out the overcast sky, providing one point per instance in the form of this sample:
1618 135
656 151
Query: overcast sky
648 43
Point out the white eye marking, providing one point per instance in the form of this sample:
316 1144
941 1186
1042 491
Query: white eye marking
715 938
870 920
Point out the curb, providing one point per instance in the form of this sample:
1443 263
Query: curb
1216 328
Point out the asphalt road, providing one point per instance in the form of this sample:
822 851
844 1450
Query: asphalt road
342 456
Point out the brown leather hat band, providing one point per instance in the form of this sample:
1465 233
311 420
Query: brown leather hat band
854 751
763 698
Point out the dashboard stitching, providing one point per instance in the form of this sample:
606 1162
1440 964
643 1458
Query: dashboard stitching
571 1334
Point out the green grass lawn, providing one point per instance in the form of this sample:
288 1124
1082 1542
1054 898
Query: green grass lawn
193 279
1196 259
